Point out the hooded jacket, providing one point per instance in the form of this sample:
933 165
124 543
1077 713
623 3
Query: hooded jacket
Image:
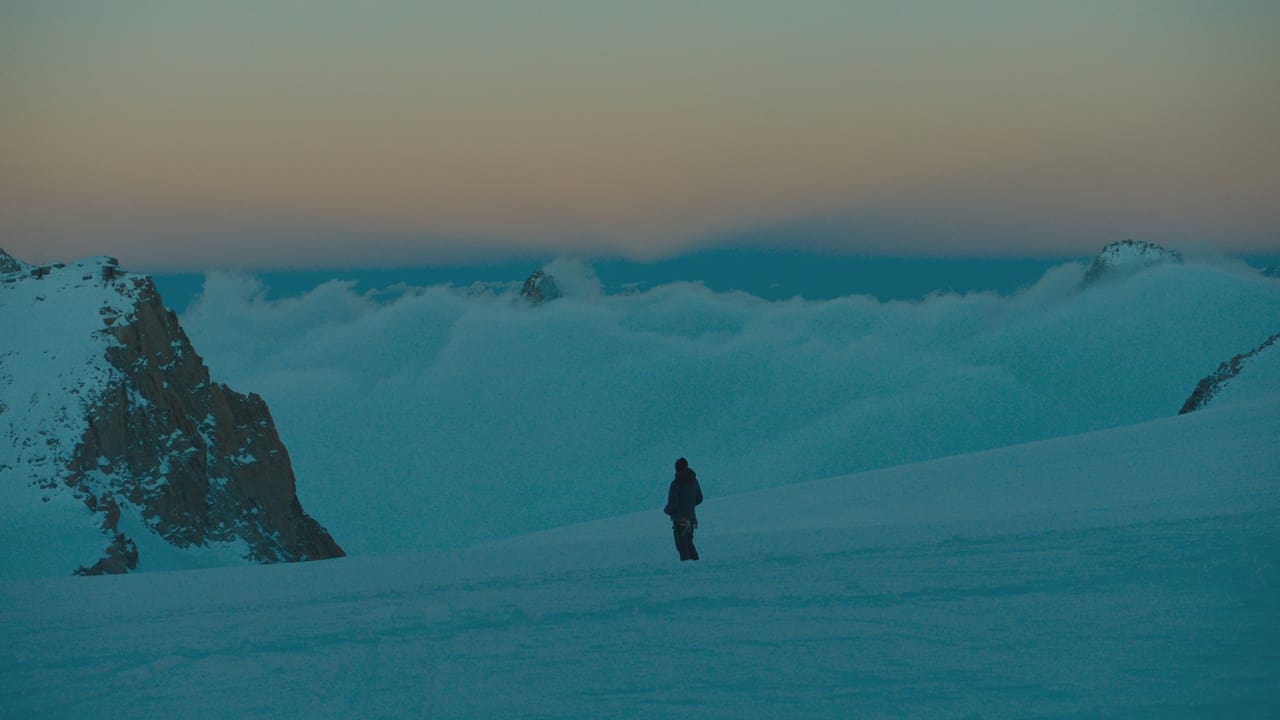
685 493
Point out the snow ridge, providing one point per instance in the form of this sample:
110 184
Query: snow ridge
1213 385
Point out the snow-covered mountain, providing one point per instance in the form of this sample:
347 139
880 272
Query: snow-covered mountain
539 288
1127 256
116 448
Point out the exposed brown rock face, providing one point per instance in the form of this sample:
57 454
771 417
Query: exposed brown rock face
201 462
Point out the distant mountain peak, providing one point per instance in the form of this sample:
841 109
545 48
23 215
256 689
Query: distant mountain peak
10 264
539 288
1129 256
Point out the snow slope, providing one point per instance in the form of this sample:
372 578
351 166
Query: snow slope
53 368
1129 572
1259 376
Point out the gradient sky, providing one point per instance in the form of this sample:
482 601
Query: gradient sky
316 133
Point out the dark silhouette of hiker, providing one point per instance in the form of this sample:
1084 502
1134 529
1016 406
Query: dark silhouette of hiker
685 494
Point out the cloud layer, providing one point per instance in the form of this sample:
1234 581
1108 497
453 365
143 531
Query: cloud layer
487 416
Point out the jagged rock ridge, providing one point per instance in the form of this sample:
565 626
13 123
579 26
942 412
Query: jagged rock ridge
539 288
10 264
1128 256
1212 385
149 442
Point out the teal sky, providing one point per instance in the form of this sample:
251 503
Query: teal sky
311 134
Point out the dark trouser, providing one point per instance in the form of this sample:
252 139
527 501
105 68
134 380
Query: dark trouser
683 530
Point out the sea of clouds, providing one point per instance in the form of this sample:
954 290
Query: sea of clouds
478 415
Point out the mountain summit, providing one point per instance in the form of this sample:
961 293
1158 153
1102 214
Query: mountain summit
1128 256
539 288
10 264
117 451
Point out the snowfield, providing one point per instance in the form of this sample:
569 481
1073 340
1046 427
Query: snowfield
53 367
1129 572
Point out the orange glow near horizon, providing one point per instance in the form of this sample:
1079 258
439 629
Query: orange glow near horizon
636 131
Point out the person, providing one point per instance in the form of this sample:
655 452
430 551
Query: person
685 494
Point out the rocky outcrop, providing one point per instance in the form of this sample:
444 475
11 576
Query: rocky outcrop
539 288
10 264
121 554
104 400
1210 386
1127 256
201 463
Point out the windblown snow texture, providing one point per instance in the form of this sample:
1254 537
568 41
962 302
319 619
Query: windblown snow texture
1125 573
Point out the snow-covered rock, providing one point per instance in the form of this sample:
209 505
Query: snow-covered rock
1128 256
539 288
1246 375
9 264
116 449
